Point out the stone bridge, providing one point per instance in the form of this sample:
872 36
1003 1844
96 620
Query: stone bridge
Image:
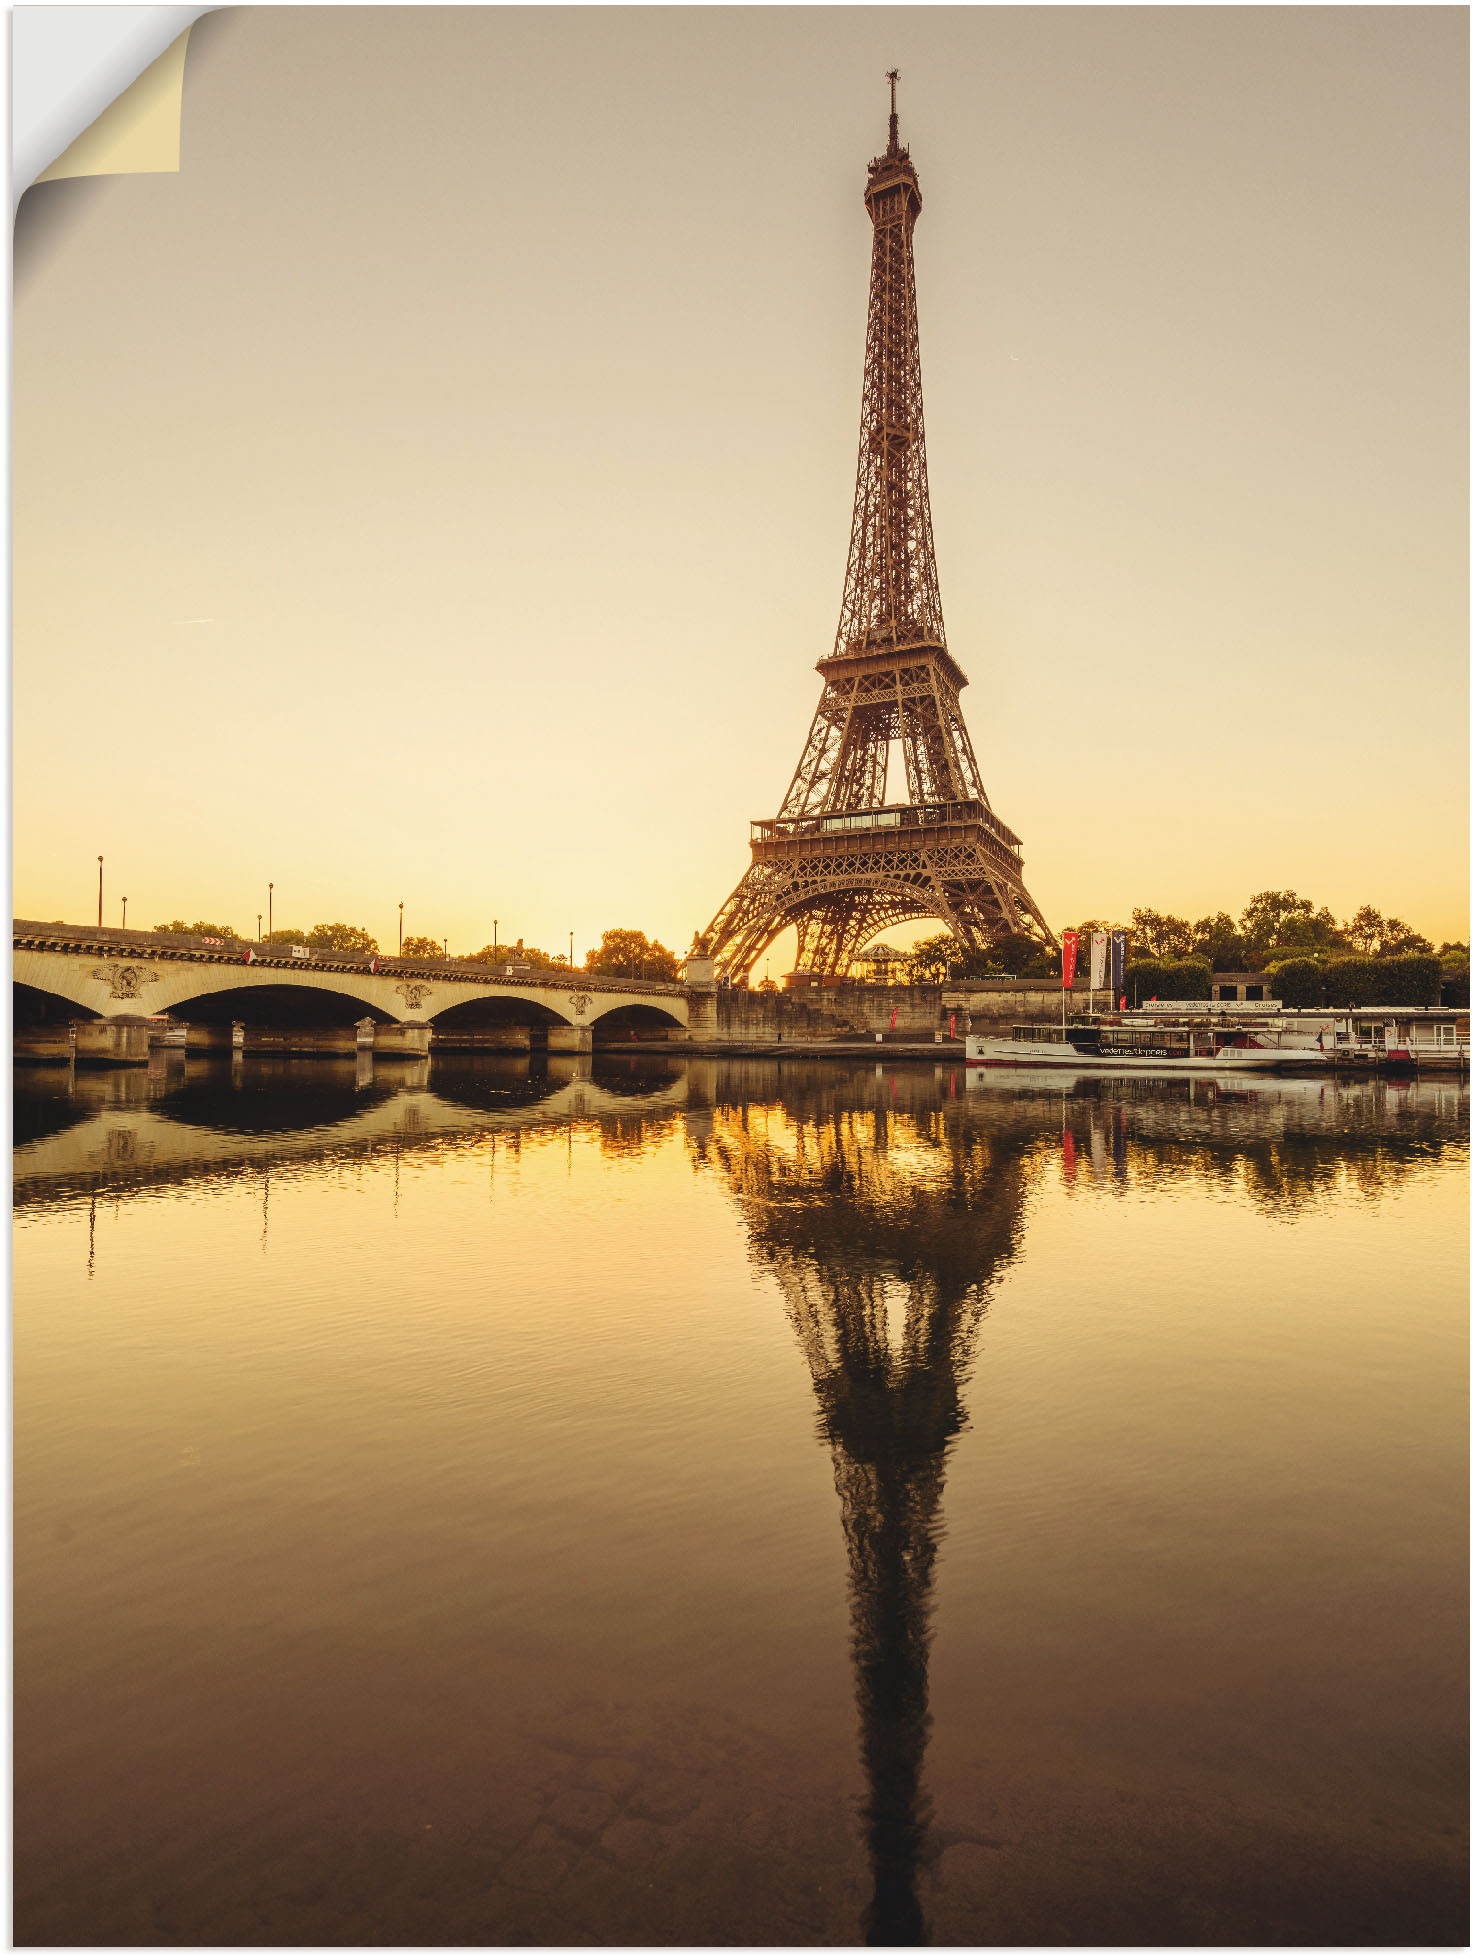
110 982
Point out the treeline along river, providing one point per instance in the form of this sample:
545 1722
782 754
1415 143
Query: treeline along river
677 1501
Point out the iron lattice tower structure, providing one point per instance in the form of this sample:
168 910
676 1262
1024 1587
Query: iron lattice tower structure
837 861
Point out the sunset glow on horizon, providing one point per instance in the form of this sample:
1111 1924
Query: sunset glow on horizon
438 490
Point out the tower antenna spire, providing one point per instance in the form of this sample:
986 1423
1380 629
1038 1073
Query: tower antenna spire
894 115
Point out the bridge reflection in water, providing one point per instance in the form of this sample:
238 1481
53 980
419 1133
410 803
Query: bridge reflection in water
886 1205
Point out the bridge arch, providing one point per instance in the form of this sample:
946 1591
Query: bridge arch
485 1010
280 1002
34 1006
634 1020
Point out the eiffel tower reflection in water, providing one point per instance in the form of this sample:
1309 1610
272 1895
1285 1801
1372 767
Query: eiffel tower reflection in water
886 1232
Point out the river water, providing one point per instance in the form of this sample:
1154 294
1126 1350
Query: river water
642 1502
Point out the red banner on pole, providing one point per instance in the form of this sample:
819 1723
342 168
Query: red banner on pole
1070 957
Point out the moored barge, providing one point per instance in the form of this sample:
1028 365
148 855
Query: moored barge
1207 1044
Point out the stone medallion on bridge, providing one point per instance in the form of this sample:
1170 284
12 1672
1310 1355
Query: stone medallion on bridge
580 1003
123 982
415 992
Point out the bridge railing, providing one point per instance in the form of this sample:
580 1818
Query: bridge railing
53 935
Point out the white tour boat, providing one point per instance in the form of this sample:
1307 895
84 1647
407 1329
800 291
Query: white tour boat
1150 1046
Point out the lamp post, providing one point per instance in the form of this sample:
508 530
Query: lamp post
270 907
401 928
569 940
99 888
495 938
258 928
447 945
125 915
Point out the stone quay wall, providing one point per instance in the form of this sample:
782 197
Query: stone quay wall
996 1006
854 1010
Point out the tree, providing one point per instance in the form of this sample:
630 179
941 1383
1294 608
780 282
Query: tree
1412 981
1364 930
630 955
1298 982
418 947
1370 933
201 929
1318 933
929 961
1397 939
1167 980
1265 916
1453 955
1009 952
766 986
497 953
339 938
1015 952
1159 935
1217 940
285 936
522 955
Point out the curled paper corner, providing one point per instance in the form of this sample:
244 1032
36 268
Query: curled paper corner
138 131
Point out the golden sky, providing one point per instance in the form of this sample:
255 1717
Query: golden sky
439 489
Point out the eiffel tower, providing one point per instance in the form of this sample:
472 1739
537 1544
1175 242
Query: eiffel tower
886 1272
837 861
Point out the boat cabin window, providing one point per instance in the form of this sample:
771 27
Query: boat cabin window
1251 993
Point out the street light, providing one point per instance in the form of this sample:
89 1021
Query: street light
270 906
495 938
125 915
401 928
569 938
99 888
258 928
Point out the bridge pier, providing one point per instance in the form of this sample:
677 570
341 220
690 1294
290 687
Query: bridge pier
401 1038
51 1041
300 1041
493 1040
207 1038
118 1042
700 995
569 1041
